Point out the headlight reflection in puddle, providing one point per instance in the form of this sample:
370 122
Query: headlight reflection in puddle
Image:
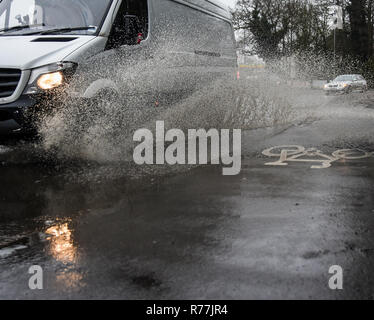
63 249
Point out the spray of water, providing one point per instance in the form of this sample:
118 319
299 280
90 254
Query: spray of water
101 130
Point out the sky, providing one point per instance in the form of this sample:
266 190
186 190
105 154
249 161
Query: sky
230 3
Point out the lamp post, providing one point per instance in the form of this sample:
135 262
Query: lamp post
334 46
338 23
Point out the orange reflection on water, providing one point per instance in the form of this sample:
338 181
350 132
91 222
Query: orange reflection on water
61 243
62 248
70 279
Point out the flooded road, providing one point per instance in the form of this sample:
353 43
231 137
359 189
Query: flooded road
101 232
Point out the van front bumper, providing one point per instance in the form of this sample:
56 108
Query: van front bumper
21 115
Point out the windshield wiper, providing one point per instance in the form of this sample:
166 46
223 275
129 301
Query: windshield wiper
27 26
65 30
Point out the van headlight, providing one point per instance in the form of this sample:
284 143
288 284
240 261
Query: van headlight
50 80
50 77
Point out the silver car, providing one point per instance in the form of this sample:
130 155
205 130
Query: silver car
346 84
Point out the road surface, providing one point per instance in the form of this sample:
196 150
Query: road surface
271 232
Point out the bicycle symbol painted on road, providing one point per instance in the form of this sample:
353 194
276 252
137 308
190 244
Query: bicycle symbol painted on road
294 153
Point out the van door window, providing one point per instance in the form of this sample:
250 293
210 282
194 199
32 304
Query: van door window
131 24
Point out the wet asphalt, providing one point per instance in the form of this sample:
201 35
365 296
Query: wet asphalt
269 233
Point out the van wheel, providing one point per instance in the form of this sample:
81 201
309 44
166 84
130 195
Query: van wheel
98 112
106 106
108 96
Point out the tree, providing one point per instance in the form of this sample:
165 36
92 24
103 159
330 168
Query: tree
285 27
267 22
359 33
303 29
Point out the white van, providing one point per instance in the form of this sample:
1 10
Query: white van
53 48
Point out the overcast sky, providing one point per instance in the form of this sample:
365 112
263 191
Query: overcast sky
230 3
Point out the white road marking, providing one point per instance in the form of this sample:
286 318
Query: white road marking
348 154
294 153
5 252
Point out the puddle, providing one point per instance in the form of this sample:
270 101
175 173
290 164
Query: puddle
146 281
315 254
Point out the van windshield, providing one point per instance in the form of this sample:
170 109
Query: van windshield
22 17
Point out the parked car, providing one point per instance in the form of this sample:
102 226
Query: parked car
346 84
170 47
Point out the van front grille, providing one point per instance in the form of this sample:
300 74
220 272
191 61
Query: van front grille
9 79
